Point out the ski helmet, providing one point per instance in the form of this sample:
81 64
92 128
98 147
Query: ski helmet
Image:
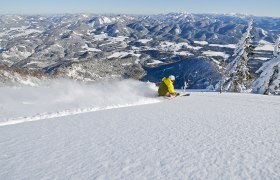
172 77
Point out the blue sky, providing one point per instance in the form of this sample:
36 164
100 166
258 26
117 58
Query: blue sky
255 7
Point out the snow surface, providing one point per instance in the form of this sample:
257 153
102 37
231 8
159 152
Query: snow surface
171 46
201 42
215 53
85 47
101 37
232 46
118 39
261 58
154 62
265 46
183 53
204 136
118 55
144 41
123 54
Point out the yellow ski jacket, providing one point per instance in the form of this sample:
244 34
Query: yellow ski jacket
166 86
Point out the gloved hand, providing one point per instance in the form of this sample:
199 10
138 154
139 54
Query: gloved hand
177 94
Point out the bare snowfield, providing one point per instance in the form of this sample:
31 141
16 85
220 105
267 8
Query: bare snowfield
214 53
204 136
265 46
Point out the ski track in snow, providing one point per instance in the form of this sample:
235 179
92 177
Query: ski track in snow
204 136
69 112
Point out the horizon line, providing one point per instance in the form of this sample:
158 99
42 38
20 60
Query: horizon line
135 14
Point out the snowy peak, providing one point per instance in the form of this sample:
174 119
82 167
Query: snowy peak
105 20
98 21
180 17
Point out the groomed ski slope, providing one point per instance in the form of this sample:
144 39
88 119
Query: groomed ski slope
204 136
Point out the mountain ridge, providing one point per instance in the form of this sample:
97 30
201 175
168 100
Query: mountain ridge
43 42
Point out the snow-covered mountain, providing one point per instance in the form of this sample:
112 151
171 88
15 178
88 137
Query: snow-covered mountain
70 130
50 44
17 76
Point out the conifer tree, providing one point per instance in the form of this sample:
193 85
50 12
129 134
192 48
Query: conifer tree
237 74
269 80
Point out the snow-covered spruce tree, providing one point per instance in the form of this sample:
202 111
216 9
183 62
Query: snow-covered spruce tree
237 75
269 80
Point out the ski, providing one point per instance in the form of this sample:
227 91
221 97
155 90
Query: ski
172 97
187 94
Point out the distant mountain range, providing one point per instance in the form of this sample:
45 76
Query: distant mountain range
88 47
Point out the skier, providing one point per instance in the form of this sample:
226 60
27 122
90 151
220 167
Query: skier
166 87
